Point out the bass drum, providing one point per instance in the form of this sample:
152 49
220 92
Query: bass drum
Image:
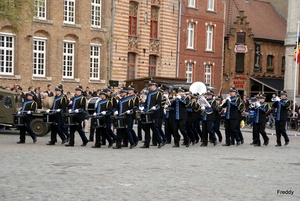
92 104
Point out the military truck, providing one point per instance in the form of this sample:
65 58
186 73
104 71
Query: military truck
10 105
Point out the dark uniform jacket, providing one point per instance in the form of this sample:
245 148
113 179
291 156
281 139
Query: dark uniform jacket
79 102
260 113
29 105
180 106
104 105
209 112
135 102
282 108
124 105
60 102
232 107
192 111
154 99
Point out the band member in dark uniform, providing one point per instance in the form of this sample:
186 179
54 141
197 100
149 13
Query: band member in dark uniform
28 109
192 117
58 107
241 109
169 119
231 103
208 118
153 103
282 106
180 104
104 108
78 107
134 101
261 110
218 119
109 124
124 108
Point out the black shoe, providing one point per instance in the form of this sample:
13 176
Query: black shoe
168 142
84 144
188 143
34 140
220 140
50 143
175 145
21 142
238 143
132 146
163 143
266 143
215 143
159 145
232 143
116 147
110 145
144 146
69 145
153 145
278 145
124 145
96 146
64 141
257 145
286 143
226 145
203 144
242 141
91 140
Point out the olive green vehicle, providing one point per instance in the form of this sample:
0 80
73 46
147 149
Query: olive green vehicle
10 105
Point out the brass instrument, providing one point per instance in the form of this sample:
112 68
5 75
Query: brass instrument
224 100
200 88
274 97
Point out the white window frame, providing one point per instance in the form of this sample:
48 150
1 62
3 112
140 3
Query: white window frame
96 13
211 5
207 74
192 3
6 64
189 72
68 10
95 61
39 61
209 37
65 71
40 7
191 35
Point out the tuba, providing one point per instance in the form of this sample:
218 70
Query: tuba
200 88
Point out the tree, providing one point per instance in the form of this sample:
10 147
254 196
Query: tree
16 12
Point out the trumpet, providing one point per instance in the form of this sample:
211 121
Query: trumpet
254 104
275 98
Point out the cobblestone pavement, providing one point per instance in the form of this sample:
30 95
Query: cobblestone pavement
39 172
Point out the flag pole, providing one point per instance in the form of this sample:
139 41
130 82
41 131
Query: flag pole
296 68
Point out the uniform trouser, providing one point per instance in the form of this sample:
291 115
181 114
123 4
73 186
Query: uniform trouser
139 128
207 127
230 134
130 136
100 132
259 128
216 129
63 129
155 132
92 132
198 130
55 130
181 125
123 133
109 131
280 130
160 131
238 130
23 130
190 130
78 128
133 134
169 129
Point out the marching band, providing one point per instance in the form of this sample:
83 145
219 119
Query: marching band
181 112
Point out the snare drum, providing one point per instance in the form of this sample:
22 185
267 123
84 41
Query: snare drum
120 122
19 120
98 122
49 118
70 119
146 118
92 104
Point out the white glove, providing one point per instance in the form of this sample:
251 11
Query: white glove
153 108
103 112
166 95
178 96
116 113
58 110
48 111
95 114
257 104
202 107
70 110
28 112
70 102
19 112
166 106
277 99
228 98
128 112
141 108
76 111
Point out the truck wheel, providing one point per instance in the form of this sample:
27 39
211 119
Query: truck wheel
39 127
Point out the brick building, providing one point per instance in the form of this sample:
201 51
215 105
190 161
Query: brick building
201 41
254 52
64 43
144 39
